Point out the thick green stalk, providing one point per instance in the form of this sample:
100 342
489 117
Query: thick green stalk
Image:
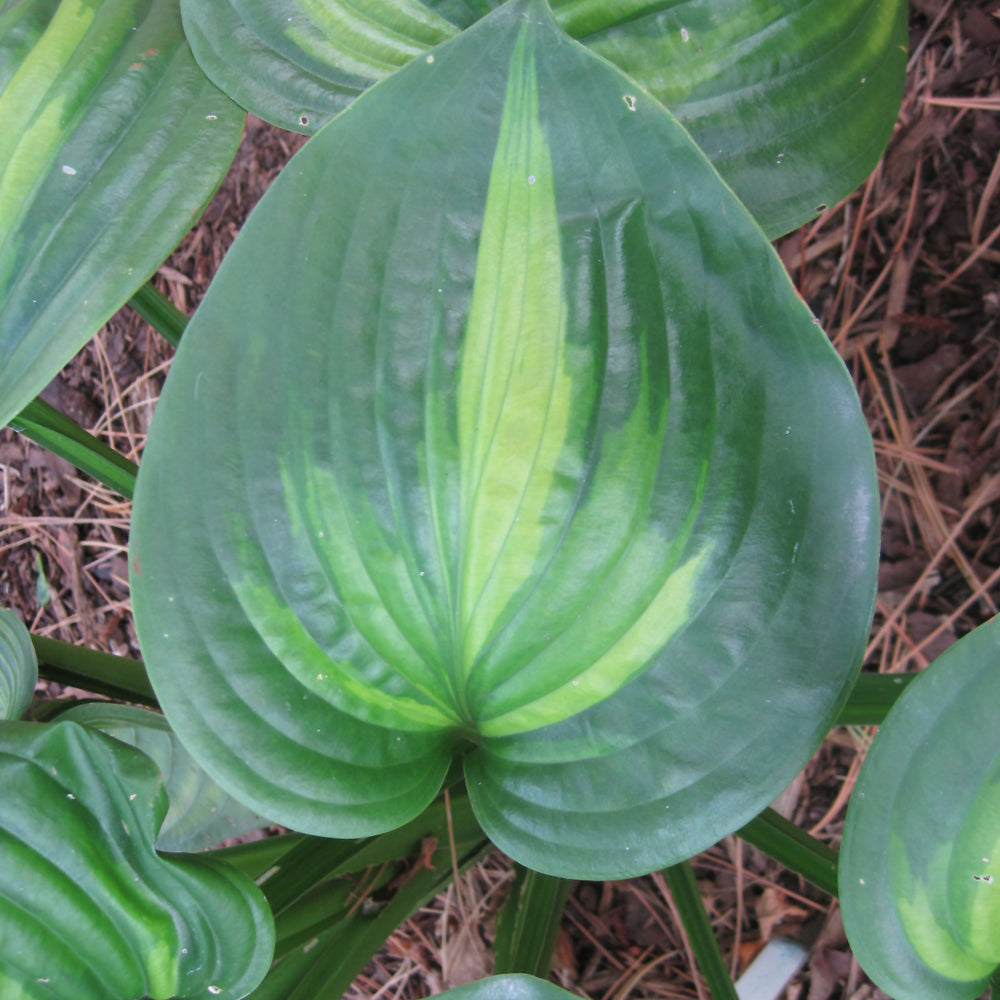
258 857
684 892
46 426
529 923
331 956
872 699
159 312
102 673
794 848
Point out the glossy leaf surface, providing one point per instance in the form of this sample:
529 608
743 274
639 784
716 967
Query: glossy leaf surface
201 814
793 101
920 863
510 987
557 472
88 910
18 666
111 141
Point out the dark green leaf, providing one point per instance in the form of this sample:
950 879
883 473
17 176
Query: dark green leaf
111 141
18 666
557 472
88 910
793 101
920 862
201 814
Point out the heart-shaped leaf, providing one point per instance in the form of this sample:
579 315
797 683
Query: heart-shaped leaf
111 141
556 471
920 864
201 814
88 910
793 101
18 666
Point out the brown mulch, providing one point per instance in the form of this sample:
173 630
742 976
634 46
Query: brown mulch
904 277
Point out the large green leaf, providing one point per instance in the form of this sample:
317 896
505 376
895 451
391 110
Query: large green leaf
111 140
920 864
18 666
557 472
793 100
88 910
201 814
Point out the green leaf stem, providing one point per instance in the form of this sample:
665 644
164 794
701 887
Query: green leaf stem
61 435
556 474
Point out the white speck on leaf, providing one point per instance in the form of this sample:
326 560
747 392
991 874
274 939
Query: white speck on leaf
70 795
685 37
861 881
630 101
791 505
430 59
531 178
68 170
211 118
131 797
214 989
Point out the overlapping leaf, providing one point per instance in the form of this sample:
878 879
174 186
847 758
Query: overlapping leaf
18 666
556 472
793 101
920 864
111 140
200 813
88 910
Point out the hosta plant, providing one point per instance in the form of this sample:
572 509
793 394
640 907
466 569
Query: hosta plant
502 491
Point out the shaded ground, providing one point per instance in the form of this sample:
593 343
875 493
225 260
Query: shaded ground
903 275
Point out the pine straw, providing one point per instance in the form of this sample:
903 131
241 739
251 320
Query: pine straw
903 276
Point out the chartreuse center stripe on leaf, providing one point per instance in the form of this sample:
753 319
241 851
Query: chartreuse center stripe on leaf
515 425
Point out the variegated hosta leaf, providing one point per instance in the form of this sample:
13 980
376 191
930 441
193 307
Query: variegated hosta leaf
88 910
111 140
920 864
18 666
201 813
793 100
514 440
